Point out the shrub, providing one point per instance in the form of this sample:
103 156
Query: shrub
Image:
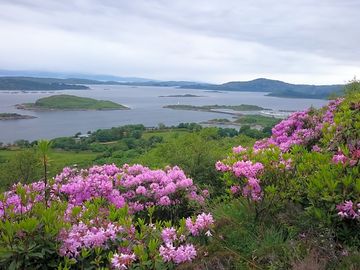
128 217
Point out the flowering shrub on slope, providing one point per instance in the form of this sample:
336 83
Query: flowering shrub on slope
312 159
105 216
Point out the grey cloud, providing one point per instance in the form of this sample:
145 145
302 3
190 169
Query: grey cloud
303 40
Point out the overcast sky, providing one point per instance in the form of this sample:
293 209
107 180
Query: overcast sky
301 41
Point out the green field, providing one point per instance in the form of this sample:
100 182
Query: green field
14 163
257 120
165 134
70 102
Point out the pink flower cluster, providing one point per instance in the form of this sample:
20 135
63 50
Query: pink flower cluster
87 227
348 210
316 148
221 167
181 254
235 189
136 185
122 261
239 149
83 236
184 252
340 158
202 223
299 128
285 163
169 235
252 189
17 204
248 170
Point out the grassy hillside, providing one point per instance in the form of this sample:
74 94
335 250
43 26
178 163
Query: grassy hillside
265 121
24 164
276 88
69 102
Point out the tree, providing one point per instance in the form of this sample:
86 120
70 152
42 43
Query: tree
352 87
44 150
23 167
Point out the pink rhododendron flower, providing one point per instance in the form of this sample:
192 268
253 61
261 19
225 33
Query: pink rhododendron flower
339 158
247 168
122 261
184 253
239 149
222 167
348 210
235 189
316 148
252 189
168 235
203 222
165 201
299 128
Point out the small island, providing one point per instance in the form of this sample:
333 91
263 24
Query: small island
212 108
185 96
217 121
70 103
253 120
14 116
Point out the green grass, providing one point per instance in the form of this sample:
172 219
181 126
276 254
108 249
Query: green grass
58 159
14 168
166 134
70 102
257 120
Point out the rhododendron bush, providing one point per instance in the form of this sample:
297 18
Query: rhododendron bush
106 216
311 159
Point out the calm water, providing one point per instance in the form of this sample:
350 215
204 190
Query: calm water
146 108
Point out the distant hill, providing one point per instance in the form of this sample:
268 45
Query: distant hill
274 87
38 84
66 75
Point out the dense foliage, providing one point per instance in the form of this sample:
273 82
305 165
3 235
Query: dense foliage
290 201
305 181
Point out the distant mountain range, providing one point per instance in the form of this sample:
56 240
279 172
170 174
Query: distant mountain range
275 88
37 84
272 87
66 75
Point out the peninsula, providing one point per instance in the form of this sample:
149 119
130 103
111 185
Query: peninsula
185 96
70 103
212 108
37 84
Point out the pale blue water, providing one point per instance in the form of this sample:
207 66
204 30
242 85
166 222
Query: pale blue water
146 108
